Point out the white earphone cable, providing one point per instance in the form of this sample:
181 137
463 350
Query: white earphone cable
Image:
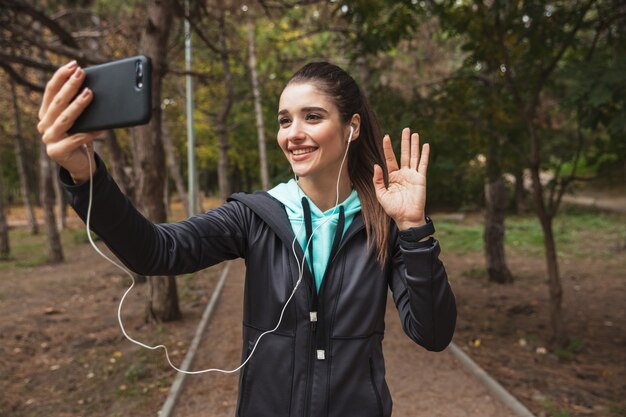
122 268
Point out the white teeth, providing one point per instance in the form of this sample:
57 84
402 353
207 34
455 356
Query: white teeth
302 151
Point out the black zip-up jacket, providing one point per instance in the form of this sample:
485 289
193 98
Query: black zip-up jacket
332 366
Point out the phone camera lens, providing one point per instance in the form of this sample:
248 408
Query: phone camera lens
139 74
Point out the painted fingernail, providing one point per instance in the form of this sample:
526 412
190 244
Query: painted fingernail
78 73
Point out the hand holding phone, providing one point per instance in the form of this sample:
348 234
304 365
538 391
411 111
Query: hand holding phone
74 108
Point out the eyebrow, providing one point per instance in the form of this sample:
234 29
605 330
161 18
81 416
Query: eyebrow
305 110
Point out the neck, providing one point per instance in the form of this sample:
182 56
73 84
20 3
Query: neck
323 191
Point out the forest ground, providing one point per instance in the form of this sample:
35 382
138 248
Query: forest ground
62 353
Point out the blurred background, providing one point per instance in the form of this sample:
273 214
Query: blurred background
521 101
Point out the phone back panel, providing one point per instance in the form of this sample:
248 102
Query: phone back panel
118 99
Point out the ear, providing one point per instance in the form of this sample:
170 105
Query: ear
355 123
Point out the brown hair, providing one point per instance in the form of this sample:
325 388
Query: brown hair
364 152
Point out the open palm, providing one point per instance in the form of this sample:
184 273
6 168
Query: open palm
404 199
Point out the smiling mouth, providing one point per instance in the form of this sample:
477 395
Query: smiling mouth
303 151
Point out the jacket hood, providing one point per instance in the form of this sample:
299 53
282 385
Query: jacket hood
290 195
324 224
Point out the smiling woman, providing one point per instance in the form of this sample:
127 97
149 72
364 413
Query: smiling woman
357 214
314 140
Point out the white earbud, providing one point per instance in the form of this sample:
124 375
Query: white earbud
351 132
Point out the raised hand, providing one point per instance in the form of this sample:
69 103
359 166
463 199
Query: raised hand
59 109
405 197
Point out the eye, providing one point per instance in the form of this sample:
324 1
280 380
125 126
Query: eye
313 117
283 121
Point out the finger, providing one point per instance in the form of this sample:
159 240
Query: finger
379 180
62 99
54 85
423 166
415 150
59 151
66 119
404 147
390 157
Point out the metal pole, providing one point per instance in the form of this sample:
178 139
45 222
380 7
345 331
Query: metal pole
191 141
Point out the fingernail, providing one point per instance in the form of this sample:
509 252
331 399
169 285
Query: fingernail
85 93
71 64
78 73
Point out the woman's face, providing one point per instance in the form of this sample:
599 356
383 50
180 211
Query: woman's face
310 132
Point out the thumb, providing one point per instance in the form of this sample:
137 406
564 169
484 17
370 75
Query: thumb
379 180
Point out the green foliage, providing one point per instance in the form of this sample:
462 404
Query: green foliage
436 67
378 25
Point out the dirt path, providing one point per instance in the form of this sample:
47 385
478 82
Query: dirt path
616 204
421 383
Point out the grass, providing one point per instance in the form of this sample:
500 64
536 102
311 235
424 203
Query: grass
29 250
459 237
572 229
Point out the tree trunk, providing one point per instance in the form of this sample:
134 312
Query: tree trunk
59 198
46 192
21 167
495 207
173 168
560 337
258 109
559 333
5 248
520 192
222 118
118 163
495 202
166 196
149 155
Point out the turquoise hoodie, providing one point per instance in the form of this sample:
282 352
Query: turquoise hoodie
290 194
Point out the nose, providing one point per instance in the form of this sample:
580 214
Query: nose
295 132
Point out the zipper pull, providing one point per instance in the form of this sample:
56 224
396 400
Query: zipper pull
313 319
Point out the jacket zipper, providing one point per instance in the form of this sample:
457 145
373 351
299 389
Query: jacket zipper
313 307
317 337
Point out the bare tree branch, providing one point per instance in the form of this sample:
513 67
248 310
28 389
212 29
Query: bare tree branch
200 75
285 4
85 57
30 62
19 79
21 6
545 73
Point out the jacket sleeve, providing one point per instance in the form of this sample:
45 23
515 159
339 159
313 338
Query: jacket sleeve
422 294
157 249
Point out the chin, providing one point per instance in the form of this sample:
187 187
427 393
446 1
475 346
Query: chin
300 171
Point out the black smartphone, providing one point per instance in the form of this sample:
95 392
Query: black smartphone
121 95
